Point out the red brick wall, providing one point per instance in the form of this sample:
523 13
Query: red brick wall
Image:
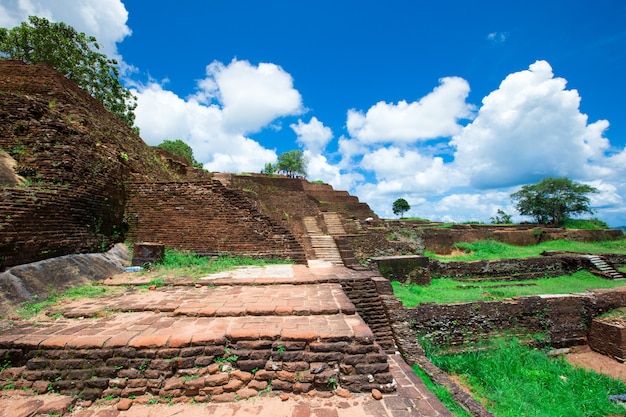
206 218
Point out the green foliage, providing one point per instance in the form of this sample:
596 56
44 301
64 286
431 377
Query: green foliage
501 218
32 308
553 200
518 380
181 263
74 55
269 169
447 290
179 148
587 224
400 206
292 163
490 249
441 393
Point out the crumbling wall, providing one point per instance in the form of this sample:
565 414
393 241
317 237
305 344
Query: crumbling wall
564 318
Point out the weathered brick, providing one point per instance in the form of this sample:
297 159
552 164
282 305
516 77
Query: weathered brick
216 380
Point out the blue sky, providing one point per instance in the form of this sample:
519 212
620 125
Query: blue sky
452 105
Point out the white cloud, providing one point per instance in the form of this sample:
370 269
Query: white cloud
497 37
104 19
529 128
251 96
232 101
318 168
435 115
313 136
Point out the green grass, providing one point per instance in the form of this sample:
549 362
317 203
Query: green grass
441 393
513 380
490 249
189 264
31 308
587 224
446 290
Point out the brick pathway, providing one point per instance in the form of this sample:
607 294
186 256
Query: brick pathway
254 310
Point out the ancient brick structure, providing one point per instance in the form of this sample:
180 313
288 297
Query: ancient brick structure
565 319
206 218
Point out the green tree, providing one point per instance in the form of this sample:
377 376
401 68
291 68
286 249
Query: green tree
553 200
501 218
179 148
74 55
292 163
269 169
400 206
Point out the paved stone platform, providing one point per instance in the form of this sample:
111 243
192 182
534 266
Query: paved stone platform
221 301
218 340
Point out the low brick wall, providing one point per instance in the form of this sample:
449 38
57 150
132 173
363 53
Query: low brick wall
441 240
608 338
520 268
565 318
405 269
202 373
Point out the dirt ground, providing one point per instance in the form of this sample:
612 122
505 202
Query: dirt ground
584 357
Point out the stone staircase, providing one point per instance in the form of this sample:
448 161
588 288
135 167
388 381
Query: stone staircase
324 245
604 267
334 224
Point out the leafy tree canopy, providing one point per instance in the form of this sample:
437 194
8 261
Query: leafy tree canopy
400 206
179 148
553 200
292 163
74 55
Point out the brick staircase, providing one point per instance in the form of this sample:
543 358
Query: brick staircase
324 245
604 267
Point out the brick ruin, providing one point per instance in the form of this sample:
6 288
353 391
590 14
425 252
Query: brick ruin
89 181
83 196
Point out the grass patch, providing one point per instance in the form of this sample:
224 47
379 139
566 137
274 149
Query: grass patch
513 380
32 308
447 290
442 393
189 264
491 250
587 224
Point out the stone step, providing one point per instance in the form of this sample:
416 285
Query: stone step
148 353
222 301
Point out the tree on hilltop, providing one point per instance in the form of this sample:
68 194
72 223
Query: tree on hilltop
292 163
74 55
553 200
400 206
179 148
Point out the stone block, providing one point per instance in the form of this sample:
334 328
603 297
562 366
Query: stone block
405 269
146 252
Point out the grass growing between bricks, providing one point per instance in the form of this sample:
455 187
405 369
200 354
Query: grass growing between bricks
492 250
189 264
513 380
32 308
447 290
441 393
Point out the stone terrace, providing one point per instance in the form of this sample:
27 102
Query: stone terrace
218 339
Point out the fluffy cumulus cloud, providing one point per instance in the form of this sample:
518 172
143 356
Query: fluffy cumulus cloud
233 101
529 128
250 96
104 19
435 115
313 136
